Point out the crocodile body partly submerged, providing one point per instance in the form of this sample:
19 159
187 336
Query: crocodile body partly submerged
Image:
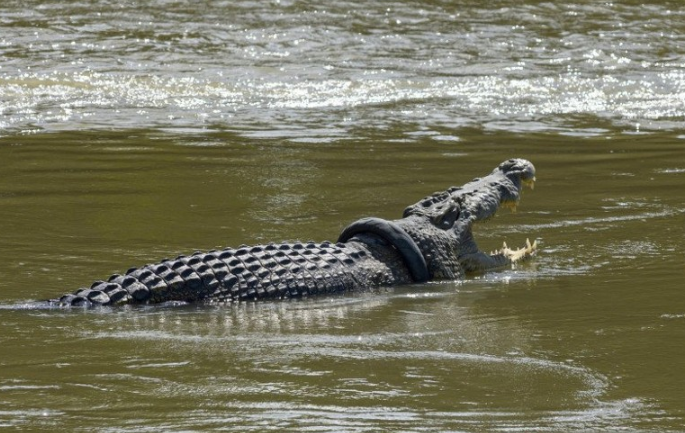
432 241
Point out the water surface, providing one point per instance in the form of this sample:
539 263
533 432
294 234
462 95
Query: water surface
132 133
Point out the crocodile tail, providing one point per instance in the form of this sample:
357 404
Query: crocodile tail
230 275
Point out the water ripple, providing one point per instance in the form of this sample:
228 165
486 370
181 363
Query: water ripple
241 67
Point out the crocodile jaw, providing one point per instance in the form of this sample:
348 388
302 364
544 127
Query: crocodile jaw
518 254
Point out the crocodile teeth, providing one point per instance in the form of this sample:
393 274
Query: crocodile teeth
529 183
518 253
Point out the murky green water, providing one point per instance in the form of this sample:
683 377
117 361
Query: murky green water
130 133
586 337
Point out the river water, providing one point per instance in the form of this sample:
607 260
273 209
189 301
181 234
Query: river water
134 131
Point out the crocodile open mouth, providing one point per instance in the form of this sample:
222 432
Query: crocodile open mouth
528 250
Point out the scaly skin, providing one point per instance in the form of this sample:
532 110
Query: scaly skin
433 241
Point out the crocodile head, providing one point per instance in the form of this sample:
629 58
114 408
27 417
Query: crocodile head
442 223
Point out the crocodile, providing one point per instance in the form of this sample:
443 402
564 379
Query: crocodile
432 241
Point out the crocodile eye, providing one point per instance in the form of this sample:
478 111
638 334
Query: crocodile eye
445 215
